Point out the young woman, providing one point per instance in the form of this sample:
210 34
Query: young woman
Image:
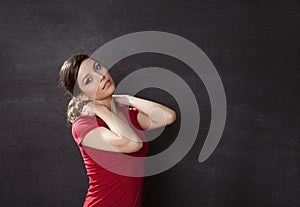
100 122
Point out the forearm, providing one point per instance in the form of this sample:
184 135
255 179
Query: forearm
155 111
118 126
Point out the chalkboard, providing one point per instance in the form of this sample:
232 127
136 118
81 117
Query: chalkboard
254 46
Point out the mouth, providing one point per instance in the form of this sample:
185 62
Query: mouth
106 84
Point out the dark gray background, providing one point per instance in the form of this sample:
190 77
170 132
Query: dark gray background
253 44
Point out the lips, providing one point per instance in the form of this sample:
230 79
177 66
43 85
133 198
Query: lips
105 83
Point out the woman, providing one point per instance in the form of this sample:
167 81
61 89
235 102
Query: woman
101 123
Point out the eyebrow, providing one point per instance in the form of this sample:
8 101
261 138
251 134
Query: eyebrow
94 64
89 73
85 77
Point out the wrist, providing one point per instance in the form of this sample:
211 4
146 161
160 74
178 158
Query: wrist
130 100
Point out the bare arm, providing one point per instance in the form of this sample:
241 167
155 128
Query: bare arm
151 114
121 137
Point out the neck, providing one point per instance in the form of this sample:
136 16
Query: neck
109 103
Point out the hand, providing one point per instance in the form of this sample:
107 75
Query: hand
122 100
88 109
92 109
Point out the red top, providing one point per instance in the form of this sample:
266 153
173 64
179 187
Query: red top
107 188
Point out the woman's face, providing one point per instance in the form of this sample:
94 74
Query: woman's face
91 79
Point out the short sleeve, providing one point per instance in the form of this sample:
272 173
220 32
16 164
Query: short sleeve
133 112
84 124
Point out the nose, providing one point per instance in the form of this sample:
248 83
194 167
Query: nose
102 75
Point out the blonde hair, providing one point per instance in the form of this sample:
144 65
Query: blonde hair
75 107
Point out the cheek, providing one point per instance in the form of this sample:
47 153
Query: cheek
91 89
96 88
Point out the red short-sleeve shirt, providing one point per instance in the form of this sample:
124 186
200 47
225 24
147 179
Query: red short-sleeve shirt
107 188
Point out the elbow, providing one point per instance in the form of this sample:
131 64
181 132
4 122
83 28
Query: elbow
130 146
136 147
140 145
171 117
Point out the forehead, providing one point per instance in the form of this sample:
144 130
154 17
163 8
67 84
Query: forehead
86 65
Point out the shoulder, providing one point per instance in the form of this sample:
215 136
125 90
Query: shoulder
133 115
85 123
131 112
84 120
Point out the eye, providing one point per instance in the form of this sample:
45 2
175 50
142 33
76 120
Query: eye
98 66
88 80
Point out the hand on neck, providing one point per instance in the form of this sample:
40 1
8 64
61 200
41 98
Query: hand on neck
109 103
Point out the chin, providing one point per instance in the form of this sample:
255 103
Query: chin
105 94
